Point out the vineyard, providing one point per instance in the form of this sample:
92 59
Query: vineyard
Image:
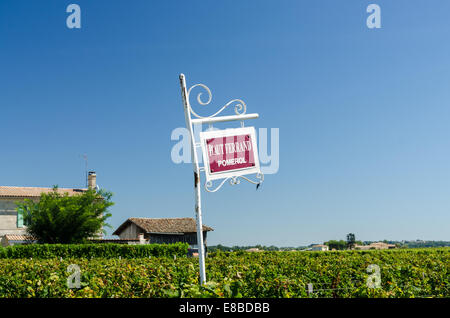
402 273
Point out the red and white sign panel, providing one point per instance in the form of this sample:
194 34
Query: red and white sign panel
229 152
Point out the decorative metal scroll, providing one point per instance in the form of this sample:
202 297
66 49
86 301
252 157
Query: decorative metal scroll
240 108
234 180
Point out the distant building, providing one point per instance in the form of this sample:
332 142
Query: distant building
162 231
319 247
254 249
375 246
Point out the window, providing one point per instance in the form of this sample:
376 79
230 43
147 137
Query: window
21 218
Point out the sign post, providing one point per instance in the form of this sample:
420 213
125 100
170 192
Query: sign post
227 154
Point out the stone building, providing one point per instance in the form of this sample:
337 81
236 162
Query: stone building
375 246
11 219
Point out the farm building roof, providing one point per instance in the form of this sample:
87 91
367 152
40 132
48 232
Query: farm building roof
163 225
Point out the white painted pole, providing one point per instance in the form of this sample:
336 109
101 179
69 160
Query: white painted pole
196 168
310 288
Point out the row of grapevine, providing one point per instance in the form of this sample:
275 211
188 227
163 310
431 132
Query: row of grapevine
402 273
93 250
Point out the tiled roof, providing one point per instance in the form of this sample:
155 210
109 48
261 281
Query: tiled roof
18 237
24 237
164 225
30 192
113 240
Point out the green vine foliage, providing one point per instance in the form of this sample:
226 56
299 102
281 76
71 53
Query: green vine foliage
45 251
403 273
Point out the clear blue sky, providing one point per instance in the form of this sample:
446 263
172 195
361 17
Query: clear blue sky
363 113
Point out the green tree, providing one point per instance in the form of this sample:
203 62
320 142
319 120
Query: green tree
60 218
337 245
350 240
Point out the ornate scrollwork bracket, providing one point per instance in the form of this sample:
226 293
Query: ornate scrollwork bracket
234 180
239 106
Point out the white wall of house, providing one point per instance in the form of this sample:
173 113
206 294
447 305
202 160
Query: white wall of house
8 217
319 248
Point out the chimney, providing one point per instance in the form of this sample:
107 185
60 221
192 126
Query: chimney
92 180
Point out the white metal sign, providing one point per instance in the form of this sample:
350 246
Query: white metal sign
229 153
